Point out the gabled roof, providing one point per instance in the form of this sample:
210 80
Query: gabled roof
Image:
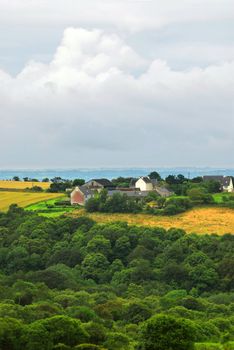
213 178
163 191
104 182
223 180
85 190
226 180
133 182
146 179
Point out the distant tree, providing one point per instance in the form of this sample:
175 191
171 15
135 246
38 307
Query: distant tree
78 182
16 178
10 333
117 341
137 312
35 189
46 179
171 180
166 332
197 179
199 195
175 179
121 181
95 266
92 205
36 337
65 330
155 175
99 244
212 186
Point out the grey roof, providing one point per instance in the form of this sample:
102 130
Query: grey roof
224 180
154 181
163 191
132 194
86 191
104 182
213 178
146 179
132 182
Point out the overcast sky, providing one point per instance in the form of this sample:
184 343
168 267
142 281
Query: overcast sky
113 83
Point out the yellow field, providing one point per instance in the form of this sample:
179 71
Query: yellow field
23 198
21 185
199 220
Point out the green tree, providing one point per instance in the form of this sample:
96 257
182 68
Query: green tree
10 333
155 175
95 266
65 330
78 182
167 333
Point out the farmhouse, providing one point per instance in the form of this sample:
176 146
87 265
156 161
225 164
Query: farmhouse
144 183
139 188
226 182
80 195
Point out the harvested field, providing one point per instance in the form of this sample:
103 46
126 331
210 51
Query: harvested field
199 220
23 199
21 185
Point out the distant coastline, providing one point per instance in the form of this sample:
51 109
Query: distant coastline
111 173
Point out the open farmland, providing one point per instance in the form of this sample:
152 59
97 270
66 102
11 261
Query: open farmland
22 185
23 199
198 220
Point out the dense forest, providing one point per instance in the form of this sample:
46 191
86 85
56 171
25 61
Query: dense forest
70 283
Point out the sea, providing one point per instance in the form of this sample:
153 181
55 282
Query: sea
97 173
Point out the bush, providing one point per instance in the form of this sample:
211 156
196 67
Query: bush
229 345
208 346
172 209
88 347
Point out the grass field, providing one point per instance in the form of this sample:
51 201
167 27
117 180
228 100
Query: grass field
198 220
23 199
53 210
21 185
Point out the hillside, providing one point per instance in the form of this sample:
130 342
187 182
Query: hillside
70 283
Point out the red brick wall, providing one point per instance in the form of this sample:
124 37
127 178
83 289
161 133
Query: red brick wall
77 198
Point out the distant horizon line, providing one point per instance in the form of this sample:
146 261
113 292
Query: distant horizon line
116 168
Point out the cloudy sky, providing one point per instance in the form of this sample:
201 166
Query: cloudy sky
116 83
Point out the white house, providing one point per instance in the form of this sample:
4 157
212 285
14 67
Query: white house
144 183
228 184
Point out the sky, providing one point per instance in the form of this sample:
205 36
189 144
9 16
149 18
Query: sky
116 83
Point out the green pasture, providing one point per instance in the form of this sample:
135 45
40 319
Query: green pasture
49 208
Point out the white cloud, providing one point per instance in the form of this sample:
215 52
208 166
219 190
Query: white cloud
98 103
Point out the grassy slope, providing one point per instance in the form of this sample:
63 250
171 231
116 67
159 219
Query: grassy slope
42 208
21 185
199 220
23 199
